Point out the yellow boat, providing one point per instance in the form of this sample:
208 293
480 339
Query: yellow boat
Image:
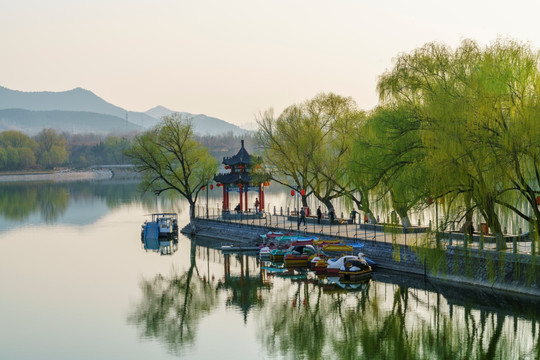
325 242
338 248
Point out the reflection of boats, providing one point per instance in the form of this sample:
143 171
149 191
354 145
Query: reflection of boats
292 274
360 284
163 246
354 270
233 248
333 284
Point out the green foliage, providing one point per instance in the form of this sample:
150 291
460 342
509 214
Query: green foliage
476 117
52 149
17 150
309 144
170 159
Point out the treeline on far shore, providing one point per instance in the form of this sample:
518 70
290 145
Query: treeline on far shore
50 149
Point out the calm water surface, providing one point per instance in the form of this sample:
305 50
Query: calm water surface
76 284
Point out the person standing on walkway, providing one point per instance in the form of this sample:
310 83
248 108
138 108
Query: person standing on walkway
302 218
353 216
257 205
331 215
319 215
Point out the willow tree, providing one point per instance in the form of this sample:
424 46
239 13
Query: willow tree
334 120
286 152
389 155
171 160
475 103
18 150
308 144
51 148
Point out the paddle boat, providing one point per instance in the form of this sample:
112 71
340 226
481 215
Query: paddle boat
337 248
298 240
299 256
368 260
320 266
334 265
354 270
264 253
272 235
321 243
276 255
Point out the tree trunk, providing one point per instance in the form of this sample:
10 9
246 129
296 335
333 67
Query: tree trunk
493 222
405 221
327 203
192 224
304 201
366 209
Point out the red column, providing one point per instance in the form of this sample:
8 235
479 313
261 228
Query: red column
224 203
261 198
228 203
245 197
225 198
241 203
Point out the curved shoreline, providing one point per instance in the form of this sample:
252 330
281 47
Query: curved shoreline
58 176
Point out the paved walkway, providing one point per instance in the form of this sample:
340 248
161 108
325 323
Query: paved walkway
355 232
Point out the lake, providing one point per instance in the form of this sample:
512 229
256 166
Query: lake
76 284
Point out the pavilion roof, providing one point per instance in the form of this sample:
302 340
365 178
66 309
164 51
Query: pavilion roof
233 178
241 158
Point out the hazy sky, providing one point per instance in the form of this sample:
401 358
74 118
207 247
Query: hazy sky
234 58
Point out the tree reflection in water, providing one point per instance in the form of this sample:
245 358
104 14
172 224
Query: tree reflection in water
388 318
50 200
18 201
245 291
301 323
171 308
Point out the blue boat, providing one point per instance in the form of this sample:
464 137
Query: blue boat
160 234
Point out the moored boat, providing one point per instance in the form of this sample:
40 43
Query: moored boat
334 265
276 255
320 266
337 248
354 270
321 243
264 253
299 256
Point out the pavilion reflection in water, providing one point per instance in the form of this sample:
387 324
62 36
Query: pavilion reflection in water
393 316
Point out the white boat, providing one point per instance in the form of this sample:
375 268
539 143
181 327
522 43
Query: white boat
334 265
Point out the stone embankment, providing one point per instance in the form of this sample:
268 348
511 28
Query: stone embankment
479 268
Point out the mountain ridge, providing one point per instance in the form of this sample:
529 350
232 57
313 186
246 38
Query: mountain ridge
85 101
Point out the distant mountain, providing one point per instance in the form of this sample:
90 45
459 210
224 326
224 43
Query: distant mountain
92 113
159 111
32 122
204 125
72 100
